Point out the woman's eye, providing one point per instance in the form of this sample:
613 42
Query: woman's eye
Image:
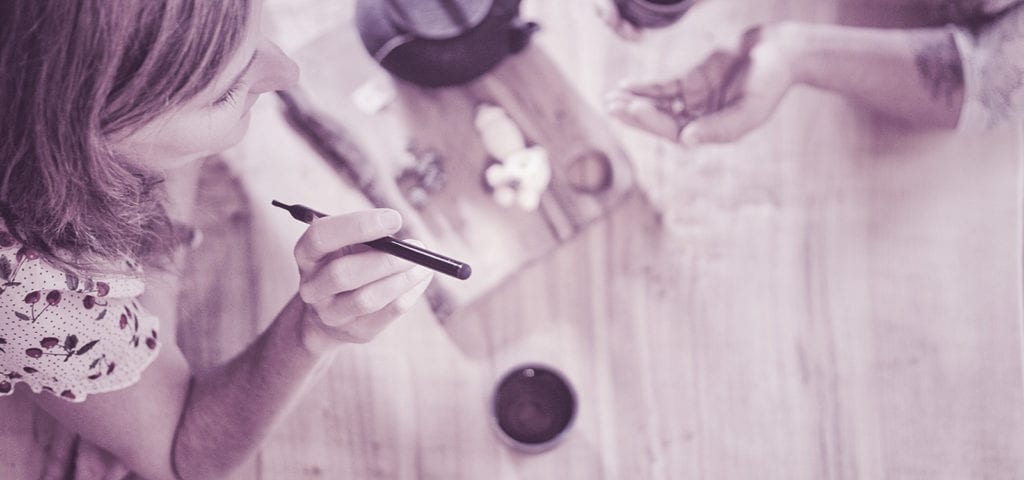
229 97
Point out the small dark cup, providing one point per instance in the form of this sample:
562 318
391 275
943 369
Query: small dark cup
652 13
533 406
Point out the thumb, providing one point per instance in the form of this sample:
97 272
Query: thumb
722 126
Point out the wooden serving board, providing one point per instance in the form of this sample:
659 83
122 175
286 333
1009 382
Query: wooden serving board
462 220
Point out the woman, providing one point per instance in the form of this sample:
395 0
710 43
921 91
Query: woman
107 106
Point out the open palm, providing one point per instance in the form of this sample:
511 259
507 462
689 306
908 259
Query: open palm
728 94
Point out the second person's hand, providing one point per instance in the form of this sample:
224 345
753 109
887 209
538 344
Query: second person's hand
728 94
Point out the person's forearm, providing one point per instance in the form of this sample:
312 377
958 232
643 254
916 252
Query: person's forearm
912 75
231 409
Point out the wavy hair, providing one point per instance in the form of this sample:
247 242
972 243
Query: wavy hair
73 75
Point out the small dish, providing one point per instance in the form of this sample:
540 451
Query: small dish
532 408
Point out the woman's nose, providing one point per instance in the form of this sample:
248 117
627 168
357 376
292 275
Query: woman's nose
275 70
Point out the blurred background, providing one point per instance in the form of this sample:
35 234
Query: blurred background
833 296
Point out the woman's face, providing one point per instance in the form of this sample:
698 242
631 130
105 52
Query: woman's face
217 117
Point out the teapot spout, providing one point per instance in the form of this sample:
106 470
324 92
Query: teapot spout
519 34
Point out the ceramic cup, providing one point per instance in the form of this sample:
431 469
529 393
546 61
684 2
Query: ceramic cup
532 407
590 172
652 13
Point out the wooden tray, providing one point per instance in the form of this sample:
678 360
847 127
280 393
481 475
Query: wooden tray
462 220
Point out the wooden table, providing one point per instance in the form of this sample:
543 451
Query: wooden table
831 297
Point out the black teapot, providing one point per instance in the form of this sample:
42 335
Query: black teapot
438 43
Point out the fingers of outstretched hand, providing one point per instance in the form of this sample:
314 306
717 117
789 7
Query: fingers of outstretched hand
358 316
695 86
654 88
749 101
326 236
726 125
643 113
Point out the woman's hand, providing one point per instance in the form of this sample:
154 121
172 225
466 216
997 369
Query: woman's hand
352 291
609 13
728 94
206 423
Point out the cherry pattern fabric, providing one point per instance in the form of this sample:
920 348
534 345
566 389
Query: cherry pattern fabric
66 334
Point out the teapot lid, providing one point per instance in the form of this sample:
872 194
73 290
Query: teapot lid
438 19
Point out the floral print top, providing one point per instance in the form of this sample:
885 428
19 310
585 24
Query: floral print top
69 335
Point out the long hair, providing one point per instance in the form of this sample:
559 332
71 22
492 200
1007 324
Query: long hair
73 75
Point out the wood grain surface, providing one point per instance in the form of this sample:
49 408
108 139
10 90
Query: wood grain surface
832 297
462 219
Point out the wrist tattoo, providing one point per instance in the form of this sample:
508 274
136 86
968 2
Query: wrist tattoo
938 65
1000 81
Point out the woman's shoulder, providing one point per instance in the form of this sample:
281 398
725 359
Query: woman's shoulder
68 333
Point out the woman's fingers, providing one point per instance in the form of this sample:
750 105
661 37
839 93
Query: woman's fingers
726 125
358 316
327 235
343 280
350 272
365 328
372 297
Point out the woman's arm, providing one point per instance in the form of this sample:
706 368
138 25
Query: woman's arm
172 424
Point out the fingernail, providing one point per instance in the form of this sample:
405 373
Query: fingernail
390 219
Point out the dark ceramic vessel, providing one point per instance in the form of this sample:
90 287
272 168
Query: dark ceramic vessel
533 406
439 43
652 13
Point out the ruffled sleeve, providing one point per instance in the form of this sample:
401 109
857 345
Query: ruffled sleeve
992 58
69 335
